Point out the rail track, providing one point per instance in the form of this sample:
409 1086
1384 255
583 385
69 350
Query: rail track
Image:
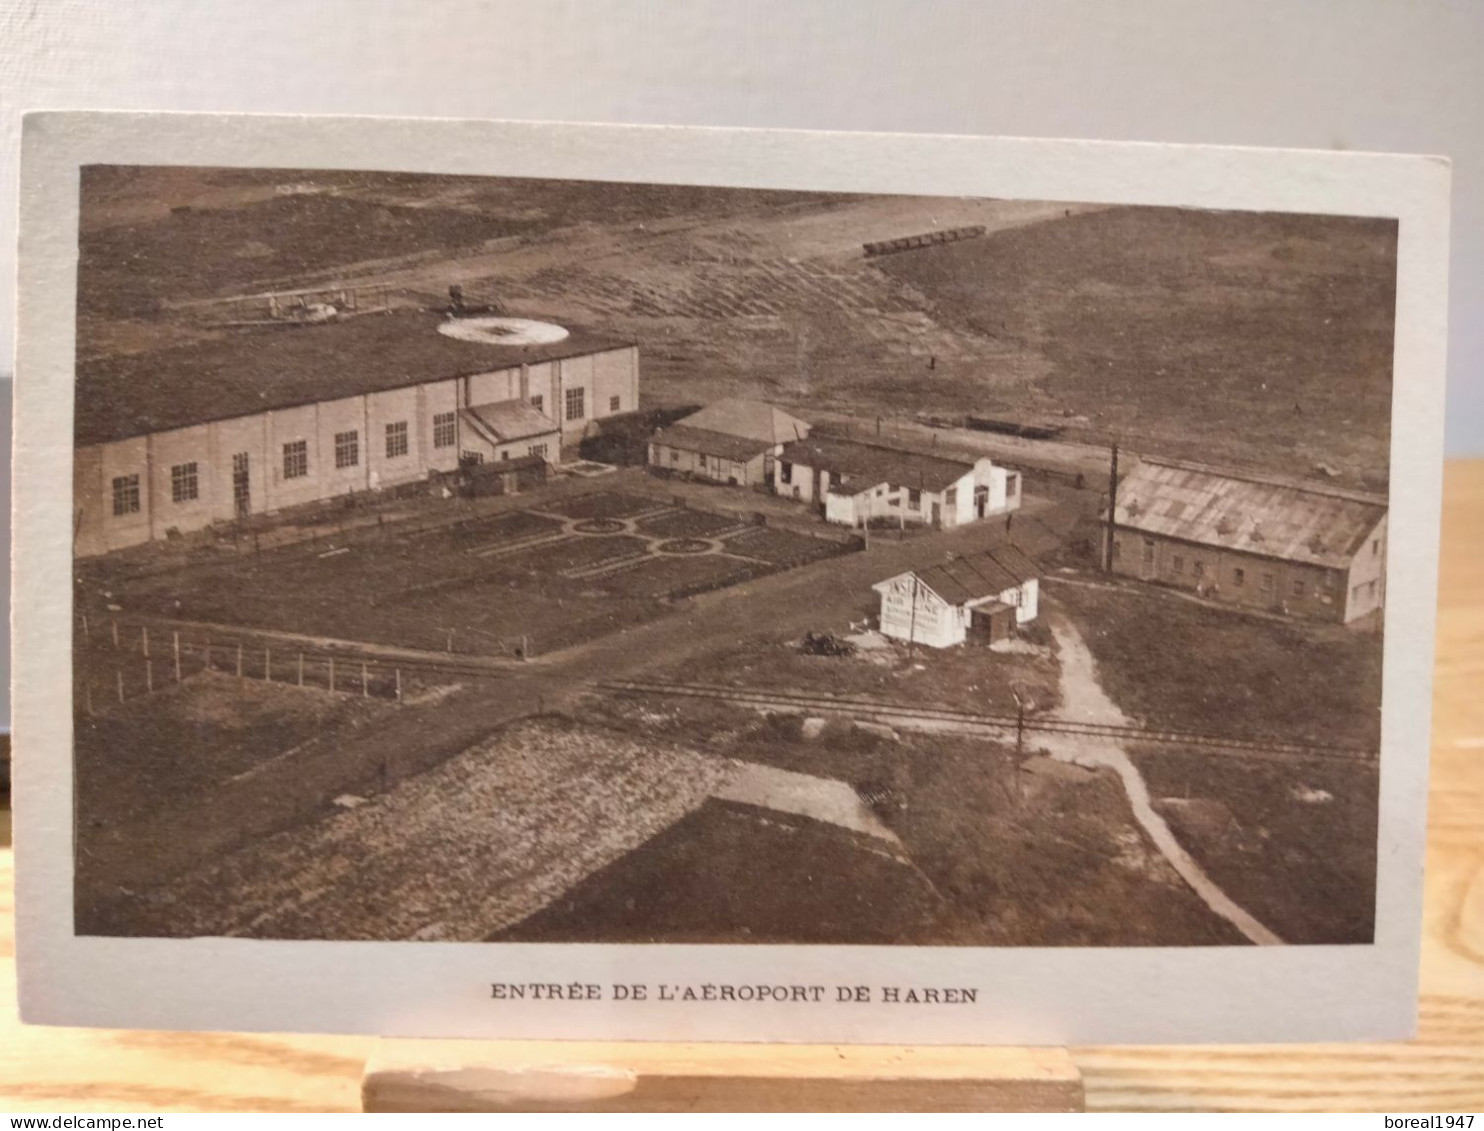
999 726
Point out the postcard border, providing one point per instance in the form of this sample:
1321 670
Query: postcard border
1028 995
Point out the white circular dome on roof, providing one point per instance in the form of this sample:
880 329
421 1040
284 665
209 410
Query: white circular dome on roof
503 331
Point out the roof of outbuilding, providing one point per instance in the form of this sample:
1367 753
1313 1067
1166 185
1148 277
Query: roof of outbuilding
248 371
974 577
756 420
870 464
1257 514
509 420
711 443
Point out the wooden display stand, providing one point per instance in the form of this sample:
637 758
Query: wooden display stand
508 1076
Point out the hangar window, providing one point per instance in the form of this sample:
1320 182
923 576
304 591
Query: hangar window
785 471
1267 582
296 459
184 483
1239 576
443 430
538 450
613 403
538 402
125 495
1177 563
576 403
396 439
1298 587
914 498
347 449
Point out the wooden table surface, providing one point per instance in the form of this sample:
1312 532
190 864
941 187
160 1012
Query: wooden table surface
78 1070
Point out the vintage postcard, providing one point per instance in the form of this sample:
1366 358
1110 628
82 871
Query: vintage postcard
508 579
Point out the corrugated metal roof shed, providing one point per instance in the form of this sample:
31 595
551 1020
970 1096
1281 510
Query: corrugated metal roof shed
1248 512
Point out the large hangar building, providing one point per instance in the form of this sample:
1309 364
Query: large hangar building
1305 549
260 420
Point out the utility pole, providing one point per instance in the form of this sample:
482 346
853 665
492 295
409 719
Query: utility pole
1022 702
1112 506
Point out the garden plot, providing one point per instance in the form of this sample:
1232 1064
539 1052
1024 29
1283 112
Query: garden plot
668 575
688 524
605 504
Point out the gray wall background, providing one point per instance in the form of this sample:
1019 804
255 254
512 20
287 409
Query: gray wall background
1353 74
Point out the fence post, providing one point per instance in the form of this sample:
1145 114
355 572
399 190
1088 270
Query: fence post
149 676
399 685
144 640
239 660
301 669
86 634
365 682
175 648
115 635
267 665
118 676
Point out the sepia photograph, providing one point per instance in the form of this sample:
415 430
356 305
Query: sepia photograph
534 560
581 582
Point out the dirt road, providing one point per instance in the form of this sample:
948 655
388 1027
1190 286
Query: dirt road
1083 698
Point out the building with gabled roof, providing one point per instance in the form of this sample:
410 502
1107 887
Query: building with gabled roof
754 420
856 482
982 596
732 441
1282 545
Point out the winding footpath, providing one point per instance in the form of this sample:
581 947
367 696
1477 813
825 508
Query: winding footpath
1083 698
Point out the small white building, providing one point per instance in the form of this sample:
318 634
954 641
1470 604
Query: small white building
982 596
855 483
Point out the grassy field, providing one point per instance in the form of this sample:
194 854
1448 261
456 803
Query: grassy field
1017 859
1187 666
191 737
1294 843
1254 338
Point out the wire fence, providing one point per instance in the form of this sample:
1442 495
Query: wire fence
120 662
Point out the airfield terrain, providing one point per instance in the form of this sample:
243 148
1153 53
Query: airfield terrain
1261 340
596 710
